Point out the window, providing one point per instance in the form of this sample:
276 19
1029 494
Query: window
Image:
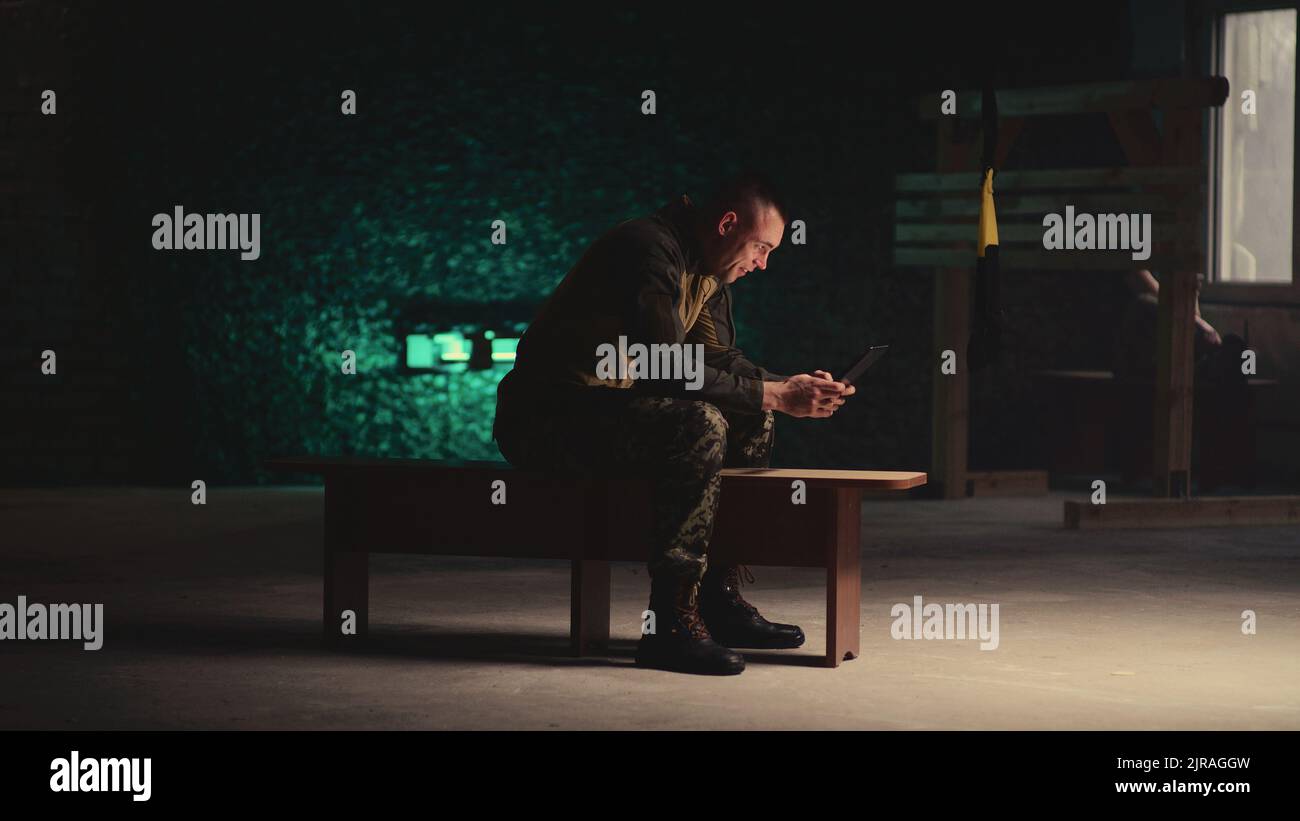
1255 152
464 347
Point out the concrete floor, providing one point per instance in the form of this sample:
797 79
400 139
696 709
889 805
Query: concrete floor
213 621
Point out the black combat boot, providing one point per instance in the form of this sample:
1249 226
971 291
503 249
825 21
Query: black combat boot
681 642
734 622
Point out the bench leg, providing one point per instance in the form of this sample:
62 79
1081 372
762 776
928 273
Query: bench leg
347 588
347 577
844 578
589 606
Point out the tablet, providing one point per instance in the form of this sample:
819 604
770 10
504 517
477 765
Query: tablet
868 359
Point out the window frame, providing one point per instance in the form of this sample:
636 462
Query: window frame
1244 293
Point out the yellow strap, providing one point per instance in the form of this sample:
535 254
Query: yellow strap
988 217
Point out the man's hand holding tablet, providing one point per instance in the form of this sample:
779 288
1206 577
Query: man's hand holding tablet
815 394
869 358
818 394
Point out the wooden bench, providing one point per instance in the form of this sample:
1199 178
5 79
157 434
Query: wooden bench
446 509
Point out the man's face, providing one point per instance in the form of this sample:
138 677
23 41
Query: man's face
740 242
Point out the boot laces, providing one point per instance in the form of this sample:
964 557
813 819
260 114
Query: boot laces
688 614
732 581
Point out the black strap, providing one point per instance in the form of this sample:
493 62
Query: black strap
989 114
985 347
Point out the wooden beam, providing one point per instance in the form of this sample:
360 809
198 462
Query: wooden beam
453 474
1222 511
950 442
1196 93
950 397
1171 234
1175 325
1018 258
842 535
1006 483
813 477
741 537
1054 180
1009 129
1012 204
1138 135
588 606
959 146
1172 410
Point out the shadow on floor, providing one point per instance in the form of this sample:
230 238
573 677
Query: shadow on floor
301 637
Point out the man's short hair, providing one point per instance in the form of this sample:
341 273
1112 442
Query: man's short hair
738 191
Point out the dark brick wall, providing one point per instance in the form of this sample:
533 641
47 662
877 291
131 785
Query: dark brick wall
196 365
57 289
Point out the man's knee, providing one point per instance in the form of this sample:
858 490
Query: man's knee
750 439
706 429
706 418
682 434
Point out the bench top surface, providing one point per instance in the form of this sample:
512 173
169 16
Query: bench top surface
867 479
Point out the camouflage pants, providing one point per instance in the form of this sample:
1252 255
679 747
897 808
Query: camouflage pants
679 444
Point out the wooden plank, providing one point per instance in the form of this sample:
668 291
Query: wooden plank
1137 134
1166 232
451 475
744 532
1172 408
748 531
967 204
1014 258
1009 128
958 149
993 483
864 479
452 514
589 572
1162 254
1086 376
950 393
1172 399
1109 376
1182 136
950 416
1255 293
588 606
1056 179
843 577
1195 93
1221 511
